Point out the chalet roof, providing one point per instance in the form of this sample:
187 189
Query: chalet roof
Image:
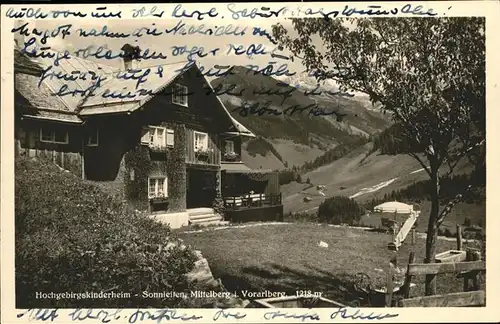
240 129
43 95
24 64
41 98
155 82
67 67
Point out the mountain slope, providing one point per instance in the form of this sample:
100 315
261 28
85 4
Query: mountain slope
362 175
284 115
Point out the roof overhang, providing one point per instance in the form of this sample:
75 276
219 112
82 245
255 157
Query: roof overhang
240 167
54 119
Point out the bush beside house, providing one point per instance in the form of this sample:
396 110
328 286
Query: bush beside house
340 210
72 237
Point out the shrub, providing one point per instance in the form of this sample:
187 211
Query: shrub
298 179
71 237
445 232
340 210
286 176
467 222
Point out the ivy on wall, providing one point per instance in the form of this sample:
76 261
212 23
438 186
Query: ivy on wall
175 163
218 203
138 165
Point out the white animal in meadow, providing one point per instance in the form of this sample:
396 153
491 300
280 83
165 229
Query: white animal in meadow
323 244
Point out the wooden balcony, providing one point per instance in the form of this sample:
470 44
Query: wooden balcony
252 201
254 208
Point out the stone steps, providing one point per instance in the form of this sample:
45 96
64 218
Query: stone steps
204 217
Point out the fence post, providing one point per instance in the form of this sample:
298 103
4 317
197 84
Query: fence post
413 237
390 286
459 237
476 280
467 275
406 285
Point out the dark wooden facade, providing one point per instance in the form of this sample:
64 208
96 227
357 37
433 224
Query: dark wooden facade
68 156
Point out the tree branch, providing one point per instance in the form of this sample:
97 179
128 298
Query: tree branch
460 156
450 205
416 157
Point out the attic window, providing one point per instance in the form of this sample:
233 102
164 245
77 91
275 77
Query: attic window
229 147
51 136
93 139
180 95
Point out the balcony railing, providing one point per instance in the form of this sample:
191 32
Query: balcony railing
252 201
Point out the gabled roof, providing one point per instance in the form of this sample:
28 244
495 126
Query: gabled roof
67 67
155 82
23 64
39 101
70 108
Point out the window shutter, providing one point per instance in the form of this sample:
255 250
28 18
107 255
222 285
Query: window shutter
170 137
145 135
205 142
165 187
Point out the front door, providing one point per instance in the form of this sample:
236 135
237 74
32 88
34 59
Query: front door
201 188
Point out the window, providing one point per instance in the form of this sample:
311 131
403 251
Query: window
180 95
157 188
58 137
158 136
229 147
200 141
170 137
93 139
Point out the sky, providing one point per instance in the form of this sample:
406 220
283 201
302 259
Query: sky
164 42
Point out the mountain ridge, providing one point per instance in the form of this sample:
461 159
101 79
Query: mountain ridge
278 112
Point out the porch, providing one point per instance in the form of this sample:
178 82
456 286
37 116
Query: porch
250 195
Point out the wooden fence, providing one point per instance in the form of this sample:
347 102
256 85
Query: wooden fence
470 270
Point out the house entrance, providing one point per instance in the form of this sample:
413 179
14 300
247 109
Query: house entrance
201 188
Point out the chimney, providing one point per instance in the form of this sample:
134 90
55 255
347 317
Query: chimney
130 56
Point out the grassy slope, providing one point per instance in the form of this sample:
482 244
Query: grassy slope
287 258
354 172
357 171
295 154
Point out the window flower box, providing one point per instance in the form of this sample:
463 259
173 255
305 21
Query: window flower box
203 152
231 156
158 200
158 148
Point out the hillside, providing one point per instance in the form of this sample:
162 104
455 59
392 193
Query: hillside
361 174
296 134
